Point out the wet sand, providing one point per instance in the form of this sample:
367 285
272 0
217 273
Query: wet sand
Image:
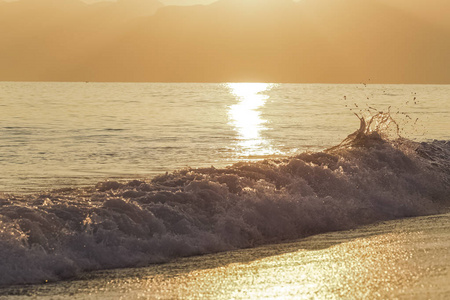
402 259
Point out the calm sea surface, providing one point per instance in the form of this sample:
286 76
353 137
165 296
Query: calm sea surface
55 135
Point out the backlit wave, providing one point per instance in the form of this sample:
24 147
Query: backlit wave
58 234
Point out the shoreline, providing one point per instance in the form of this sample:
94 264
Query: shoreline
406 258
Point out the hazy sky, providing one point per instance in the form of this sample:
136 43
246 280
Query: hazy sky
385 41
187 2
166 2
172 2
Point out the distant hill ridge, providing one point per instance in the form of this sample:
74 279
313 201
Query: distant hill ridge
341 41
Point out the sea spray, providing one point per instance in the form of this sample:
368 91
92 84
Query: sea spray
367 178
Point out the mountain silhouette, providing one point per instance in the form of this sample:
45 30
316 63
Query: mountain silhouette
329 41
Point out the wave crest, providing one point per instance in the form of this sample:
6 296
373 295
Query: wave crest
367 178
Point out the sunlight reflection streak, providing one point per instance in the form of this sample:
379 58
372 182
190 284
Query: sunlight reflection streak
245 117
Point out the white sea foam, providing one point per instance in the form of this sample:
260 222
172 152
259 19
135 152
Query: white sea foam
55 235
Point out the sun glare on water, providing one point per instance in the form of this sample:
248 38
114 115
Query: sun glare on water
245 117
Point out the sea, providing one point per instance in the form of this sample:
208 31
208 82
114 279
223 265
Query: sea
224 191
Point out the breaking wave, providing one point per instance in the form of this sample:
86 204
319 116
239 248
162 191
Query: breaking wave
367 178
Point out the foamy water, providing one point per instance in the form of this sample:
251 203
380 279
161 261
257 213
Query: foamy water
275 191
401 259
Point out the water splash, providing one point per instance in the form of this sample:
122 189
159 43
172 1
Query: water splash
373 128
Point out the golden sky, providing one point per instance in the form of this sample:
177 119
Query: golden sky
329 41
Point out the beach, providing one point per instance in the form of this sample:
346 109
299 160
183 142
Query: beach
224 149
402 259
